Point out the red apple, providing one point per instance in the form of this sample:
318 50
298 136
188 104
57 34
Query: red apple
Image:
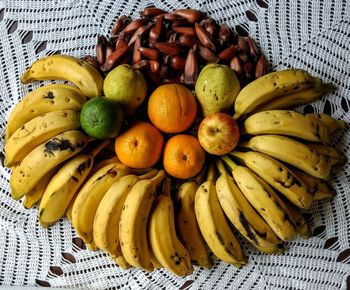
218 133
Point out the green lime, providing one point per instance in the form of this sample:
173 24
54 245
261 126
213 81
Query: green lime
101 118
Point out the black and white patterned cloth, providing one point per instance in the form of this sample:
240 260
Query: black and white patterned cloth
314 35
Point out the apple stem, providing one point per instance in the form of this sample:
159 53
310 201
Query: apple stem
220 166
211 172
229 162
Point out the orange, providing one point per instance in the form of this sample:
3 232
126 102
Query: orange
172 108
183 156
140 146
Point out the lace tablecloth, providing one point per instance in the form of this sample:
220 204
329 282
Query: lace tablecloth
314 35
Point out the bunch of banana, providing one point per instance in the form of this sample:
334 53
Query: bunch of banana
46 99
64 185
68 68
271 87
45 158
107 217
243 216
264 199
292 152
187 226
89 197
133 222
277 175
165 244
213 225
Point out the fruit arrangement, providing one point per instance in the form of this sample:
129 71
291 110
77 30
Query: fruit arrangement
157 175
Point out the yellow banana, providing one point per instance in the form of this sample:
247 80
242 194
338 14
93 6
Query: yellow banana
43 100
121 262
213 225
290 151
288 123
332 155
44 158
68 68
165 244
263 198
301 225
243 216
320 189
107 217
270 87
306 96
188 230
332 124
33 196
37 131
70 209
89 198
64 185
278 176
133 222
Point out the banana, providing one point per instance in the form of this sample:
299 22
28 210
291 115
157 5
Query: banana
70 209
133 222
165 244
332 155
37 131
107 217
278 176
292 152
301 225
270 87
68 68
44 158
288 123
64 185
213 225
264 199
243 216
43 100
103 163
33 196
121 262
320 189
306 96
89 198
332 124
188 230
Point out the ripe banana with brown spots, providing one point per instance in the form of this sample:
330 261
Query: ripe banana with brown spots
68 68
243 216
44 158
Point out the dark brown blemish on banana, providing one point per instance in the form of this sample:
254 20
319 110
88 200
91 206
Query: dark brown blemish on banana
60 145
246 226
83 166
49 95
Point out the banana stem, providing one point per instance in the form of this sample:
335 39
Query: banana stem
211 172
99 147
244 144
220 166
199 178
229 162
158 178
238 155
152 173
166 186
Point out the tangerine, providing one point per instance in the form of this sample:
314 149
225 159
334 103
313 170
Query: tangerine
183 156
140 146
172 108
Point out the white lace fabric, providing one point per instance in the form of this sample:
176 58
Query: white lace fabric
314 35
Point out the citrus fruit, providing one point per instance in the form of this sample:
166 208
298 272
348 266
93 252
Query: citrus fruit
140 146
183 156
126 86
101 118
172 108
